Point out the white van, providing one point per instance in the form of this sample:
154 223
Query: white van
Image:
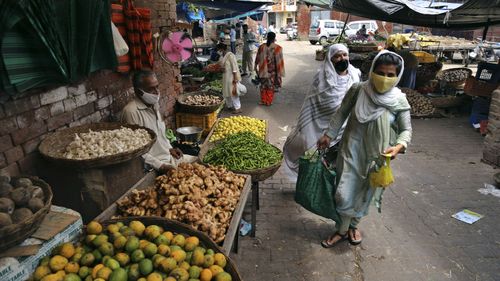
322 29
354 26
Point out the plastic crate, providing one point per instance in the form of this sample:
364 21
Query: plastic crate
204 121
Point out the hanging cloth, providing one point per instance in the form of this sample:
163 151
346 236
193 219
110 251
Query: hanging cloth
118 18
139 35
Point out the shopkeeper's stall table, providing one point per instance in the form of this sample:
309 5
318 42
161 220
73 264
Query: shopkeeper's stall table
232 232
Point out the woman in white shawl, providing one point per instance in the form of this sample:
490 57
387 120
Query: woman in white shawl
230 77
378 122
329 87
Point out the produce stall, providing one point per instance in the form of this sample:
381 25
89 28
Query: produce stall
240 143
212 206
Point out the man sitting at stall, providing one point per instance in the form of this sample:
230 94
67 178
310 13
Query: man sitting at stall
143 110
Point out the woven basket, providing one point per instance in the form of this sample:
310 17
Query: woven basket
257 174
454 84
53 146
476 87
186 230
320 55
447 101
426 73
16 233
198 109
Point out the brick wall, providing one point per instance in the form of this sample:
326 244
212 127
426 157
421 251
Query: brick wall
303 21
491 152
26 121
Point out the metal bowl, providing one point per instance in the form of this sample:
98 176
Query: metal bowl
189 134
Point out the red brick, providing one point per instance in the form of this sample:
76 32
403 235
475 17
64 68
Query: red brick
25 119
14 154
53 96
31 145
5 143
43 113
35 130
3 161
83 111
21 105
12 170
8 125
59 121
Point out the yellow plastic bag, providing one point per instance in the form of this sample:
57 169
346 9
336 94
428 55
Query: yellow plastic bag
383 177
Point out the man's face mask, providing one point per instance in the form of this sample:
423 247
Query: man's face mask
383 84
149 98
341 66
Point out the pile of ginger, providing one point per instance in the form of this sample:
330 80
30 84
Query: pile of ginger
203 197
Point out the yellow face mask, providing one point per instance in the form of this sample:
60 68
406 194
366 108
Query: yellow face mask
383 84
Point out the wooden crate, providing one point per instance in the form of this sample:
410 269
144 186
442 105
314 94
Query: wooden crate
204 121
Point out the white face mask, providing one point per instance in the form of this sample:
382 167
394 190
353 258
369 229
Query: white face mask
149 98
220 53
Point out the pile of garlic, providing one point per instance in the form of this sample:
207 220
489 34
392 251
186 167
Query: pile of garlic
104 143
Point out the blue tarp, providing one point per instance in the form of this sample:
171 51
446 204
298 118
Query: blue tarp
183 8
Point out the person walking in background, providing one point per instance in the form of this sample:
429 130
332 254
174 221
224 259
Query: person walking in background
260 29
378 125
249 48
335 76
230 77
271 28
232 39
270 68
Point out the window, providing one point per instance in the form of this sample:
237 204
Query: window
329 25
315 24
354 26
340 25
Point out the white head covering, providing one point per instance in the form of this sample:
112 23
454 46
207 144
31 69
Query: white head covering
328 81
371 105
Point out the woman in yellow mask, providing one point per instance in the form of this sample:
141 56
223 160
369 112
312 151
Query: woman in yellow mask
378 122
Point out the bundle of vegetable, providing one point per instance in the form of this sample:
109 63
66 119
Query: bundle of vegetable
215 85
190 70
203 100
242 152
104 143
236 124
454 75
203 197
420 105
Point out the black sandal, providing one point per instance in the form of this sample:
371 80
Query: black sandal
354 242
327 245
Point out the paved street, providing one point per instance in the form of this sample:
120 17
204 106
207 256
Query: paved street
414 238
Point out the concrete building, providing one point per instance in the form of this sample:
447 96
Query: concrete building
282 13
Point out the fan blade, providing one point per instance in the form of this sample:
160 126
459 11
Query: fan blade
176 37
174 57
167 45
186 53
186 43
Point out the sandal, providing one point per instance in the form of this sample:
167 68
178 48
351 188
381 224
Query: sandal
327 244
351 240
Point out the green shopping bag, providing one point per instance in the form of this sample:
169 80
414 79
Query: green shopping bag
315 188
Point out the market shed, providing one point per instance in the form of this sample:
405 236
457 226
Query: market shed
472 14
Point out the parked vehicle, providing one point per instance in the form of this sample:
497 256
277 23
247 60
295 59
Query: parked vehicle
283 30
354 26
321 30
291 31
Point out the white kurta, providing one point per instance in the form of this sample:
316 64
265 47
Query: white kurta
137 113
230 66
